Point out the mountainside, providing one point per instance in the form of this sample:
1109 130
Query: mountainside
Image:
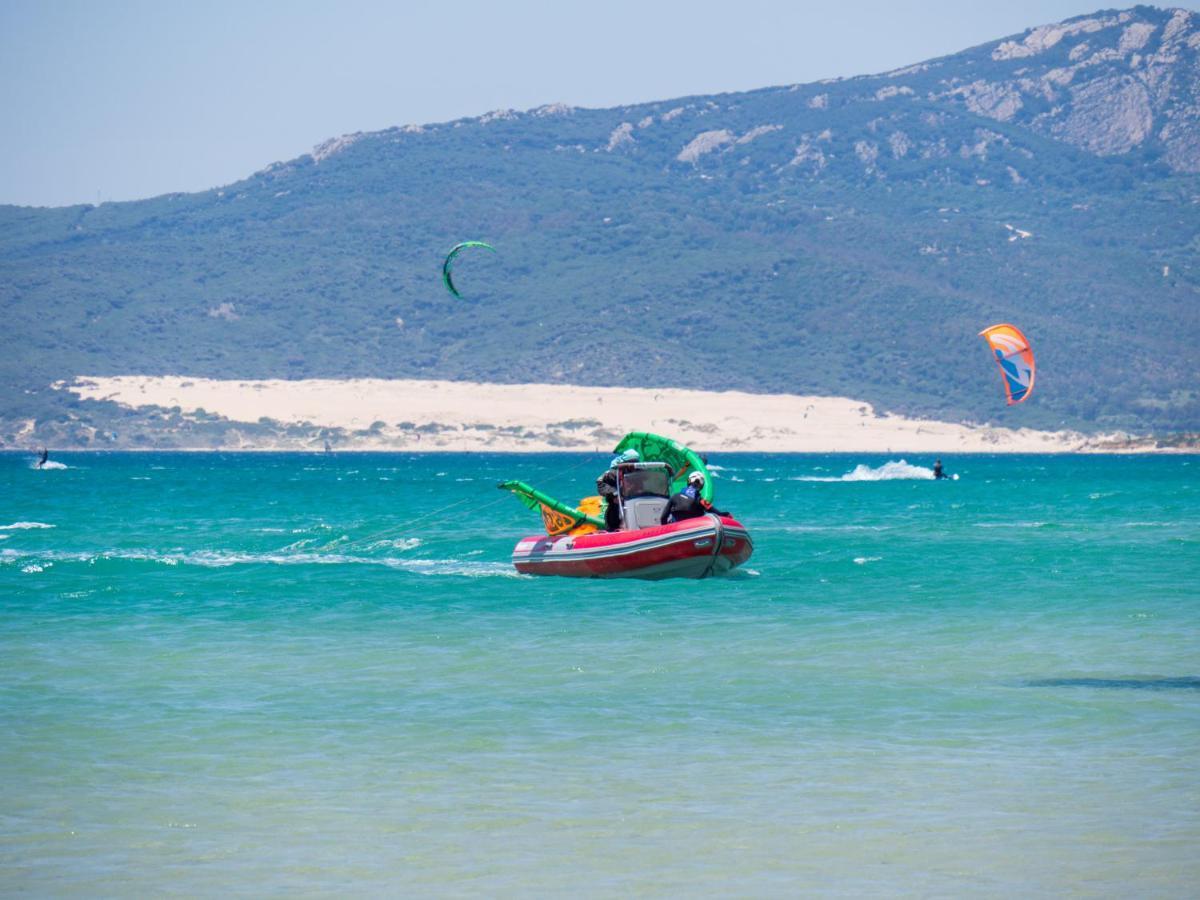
848 237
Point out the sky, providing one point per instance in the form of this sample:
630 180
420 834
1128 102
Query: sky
124 99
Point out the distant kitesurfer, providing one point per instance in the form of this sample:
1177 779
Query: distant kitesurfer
688 503
938 472
607 487
45 455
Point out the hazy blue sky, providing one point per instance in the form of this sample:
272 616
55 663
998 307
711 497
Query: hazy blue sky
118 100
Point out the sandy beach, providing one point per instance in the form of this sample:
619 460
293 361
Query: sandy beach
382 414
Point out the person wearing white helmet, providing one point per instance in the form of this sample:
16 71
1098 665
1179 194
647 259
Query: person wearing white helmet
689 503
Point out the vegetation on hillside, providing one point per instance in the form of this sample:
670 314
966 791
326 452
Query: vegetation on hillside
846 238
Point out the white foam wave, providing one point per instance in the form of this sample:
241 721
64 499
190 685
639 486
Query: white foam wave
863 560
895 470
17 526
48 465
740 575
1009 524
220 559
398 544
297 545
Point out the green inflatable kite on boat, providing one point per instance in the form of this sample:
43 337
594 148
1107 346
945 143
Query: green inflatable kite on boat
682 460
559 517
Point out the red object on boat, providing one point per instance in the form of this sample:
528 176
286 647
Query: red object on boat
694 548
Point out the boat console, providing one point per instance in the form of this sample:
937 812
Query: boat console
644 489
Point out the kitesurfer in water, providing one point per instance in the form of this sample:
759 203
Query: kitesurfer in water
45 455
607 487
938 472
688 503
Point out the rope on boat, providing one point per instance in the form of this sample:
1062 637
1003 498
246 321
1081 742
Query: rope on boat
399 528
408 524
718 543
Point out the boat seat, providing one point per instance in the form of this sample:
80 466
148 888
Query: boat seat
644 512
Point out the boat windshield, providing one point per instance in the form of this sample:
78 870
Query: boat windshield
647 479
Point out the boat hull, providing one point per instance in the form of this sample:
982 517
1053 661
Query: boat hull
694 548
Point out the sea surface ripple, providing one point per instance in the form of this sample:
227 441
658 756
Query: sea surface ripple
276 673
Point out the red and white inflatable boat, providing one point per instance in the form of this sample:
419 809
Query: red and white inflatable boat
693 548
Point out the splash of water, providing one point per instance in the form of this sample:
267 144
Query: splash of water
893 470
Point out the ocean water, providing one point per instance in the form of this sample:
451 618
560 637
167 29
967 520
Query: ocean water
284 673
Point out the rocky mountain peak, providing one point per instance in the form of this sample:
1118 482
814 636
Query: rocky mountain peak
1107 83
1110 83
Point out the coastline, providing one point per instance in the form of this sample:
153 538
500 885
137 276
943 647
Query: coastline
432 416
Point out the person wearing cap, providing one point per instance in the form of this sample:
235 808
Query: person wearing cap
689 503
606 487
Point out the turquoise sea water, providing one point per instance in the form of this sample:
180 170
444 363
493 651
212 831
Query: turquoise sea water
284 673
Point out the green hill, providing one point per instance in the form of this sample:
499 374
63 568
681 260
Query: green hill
848 237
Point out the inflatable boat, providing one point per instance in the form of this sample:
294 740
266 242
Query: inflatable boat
622 534
694 548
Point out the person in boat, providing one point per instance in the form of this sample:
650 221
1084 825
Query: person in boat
688 503
607 487
45 455
938 471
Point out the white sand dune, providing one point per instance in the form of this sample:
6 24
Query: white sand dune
375 413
